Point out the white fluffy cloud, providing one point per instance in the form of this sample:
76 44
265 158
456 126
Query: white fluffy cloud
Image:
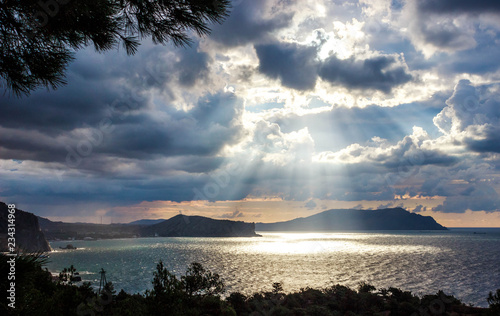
472 117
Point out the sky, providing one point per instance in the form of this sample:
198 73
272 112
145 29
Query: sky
289 108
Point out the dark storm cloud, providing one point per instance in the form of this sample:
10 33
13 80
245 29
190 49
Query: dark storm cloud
480 197
51 195
407 156
81 102
296 67
459 6
378 73
490 141
482 59
98 83
443 38
204 130
212 123
154 66
191 164
246 24
192 67
115 91
165 142
435 185
29 145
144 156
292 64
434 23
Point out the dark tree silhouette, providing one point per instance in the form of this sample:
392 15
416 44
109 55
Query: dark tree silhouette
494 300
199 281
38 37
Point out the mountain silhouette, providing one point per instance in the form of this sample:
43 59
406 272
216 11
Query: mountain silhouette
199 226
384 219
146 222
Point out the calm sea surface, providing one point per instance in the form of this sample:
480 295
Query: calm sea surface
457 261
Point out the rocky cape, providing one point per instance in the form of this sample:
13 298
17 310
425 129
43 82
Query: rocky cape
28 235
199 226
341 220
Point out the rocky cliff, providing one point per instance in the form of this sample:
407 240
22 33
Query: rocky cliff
198 226
29 237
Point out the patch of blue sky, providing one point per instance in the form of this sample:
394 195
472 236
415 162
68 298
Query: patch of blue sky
257 108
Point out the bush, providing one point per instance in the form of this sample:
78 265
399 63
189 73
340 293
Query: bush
239 302
365 288
494 301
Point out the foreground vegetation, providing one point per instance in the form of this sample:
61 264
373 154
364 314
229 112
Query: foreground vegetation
198 292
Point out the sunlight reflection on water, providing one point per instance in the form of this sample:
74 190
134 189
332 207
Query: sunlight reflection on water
460 263
310 243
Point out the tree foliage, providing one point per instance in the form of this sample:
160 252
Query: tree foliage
199 281
198 289
197 293
38 38
494 300
66 275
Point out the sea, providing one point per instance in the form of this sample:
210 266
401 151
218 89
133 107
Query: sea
464 262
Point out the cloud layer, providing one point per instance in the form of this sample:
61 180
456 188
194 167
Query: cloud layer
380 102
297 67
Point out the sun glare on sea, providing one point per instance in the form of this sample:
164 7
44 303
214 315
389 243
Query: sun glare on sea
314 243
307 243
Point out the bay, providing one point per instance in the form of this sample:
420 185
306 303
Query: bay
461 262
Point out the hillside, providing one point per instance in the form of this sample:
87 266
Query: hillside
28 236
199 226
180 225
385 219
146 222
61 230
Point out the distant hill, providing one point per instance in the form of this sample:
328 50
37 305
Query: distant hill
385 219
63 231
146 222
28 236
180 225
199 226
